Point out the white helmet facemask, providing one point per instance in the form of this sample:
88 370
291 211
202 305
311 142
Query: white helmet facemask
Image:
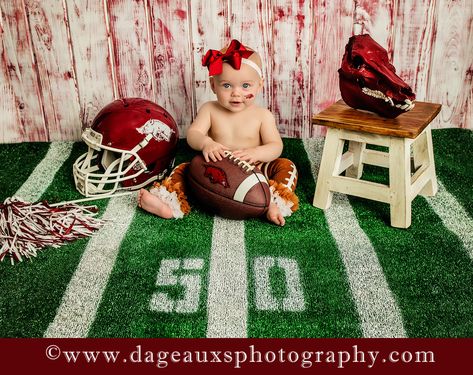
89 175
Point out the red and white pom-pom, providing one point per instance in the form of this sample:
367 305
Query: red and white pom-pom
27 227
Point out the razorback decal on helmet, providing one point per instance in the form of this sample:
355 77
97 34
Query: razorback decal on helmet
159 130
216 175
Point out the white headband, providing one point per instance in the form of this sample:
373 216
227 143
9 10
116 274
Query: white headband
253 65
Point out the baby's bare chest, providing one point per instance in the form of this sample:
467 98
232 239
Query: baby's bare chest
236 134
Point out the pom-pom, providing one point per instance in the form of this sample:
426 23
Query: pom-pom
27 227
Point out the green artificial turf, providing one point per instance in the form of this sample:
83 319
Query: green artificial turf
19 160
330 311
148 242
33 289
427 268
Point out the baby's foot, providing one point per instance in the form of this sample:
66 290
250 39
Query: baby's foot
153 204
274 215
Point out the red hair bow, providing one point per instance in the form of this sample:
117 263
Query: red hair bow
214 59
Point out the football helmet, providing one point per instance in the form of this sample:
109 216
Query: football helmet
132 142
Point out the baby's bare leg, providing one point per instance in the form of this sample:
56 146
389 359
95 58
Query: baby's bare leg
153 204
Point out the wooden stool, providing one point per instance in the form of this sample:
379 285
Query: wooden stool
360 128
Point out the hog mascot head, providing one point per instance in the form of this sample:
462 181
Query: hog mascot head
368 80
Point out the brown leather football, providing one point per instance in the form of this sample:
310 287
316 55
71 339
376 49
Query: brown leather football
230 188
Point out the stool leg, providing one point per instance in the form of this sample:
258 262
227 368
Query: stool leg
356 170
424 154
400 182
329 166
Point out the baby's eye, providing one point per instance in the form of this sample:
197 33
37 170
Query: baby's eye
246 85
226 85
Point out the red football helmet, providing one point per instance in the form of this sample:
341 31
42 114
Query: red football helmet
132 142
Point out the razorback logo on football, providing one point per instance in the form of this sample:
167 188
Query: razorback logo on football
216 175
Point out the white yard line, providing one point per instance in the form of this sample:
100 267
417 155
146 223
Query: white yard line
82 297
227 303
379 313
42 176
453 216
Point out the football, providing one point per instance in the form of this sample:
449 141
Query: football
230 188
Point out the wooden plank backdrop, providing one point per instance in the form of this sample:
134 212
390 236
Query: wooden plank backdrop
63 60
54 65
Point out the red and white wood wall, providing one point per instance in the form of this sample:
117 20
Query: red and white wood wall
62 60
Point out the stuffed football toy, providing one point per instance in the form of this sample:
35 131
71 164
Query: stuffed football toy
230 188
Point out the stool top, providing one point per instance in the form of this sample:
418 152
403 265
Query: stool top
407 125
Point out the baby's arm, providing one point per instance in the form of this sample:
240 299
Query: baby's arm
271 143
198 139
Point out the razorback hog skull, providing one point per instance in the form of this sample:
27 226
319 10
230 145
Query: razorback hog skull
368 80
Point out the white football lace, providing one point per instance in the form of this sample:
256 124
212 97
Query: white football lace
241 163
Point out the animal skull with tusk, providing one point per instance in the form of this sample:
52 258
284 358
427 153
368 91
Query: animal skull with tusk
368 81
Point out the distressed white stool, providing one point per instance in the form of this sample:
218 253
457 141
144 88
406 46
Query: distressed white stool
360 128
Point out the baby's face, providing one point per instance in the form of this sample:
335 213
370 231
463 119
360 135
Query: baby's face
236 90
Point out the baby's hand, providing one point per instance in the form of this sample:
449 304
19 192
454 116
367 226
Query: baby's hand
249 155
213 150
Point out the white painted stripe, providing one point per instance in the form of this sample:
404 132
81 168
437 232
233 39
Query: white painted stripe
42 176
379 313
81 299
247 184
227 304
453 216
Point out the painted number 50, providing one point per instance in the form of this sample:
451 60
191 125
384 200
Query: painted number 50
186 274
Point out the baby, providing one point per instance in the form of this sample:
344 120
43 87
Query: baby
233 122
